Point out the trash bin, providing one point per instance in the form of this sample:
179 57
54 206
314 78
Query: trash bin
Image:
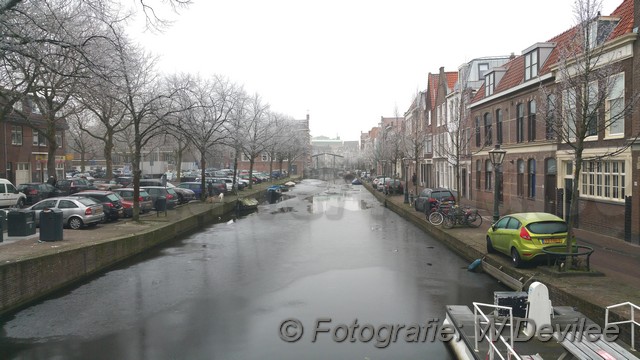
51 222
21 223
161 205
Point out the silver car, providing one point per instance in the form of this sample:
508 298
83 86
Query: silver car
77 211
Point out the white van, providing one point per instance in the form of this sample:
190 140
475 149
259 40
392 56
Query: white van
10 196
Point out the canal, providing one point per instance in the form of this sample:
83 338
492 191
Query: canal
326 273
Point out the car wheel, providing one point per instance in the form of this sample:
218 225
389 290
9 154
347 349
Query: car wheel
490 248
515 258
20 203
75 223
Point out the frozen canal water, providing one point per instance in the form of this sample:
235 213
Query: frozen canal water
327 273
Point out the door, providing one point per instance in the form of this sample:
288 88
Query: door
550 186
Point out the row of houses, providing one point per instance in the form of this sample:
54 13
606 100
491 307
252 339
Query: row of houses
513 101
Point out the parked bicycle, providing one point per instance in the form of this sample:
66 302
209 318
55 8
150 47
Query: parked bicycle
461 216
438 211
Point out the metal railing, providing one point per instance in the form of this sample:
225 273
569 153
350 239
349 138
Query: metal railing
511 353
632 319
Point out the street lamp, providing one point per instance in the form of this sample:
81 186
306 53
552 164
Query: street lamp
496 155
406 184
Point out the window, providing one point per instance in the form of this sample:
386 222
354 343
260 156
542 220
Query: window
550 118
614 105
59 140
520 178
16 135
477 131
531 190
531 65
592 109
478 173
520 122
429 146
34 107
487 129
488 171
39 139
531 124
569 111
482 70
489 83
499 126
265 157
604 179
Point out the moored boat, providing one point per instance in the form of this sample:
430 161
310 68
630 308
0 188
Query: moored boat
523 325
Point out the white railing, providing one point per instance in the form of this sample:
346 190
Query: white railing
632 319
477 313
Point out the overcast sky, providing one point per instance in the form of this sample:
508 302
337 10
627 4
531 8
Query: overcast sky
348 62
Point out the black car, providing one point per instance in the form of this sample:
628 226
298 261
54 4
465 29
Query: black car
429 197
111 203
38 191
72 186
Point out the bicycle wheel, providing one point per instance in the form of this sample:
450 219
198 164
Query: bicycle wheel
474 220
436 218
448 222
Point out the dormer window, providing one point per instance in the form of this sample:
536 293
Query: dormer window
598 31
17 106
489 84
531 65
482 69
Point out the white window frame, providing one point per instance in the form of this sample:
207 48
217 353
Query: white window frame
616 94
16 135
569 108
489 84
604 180
592 95
531 65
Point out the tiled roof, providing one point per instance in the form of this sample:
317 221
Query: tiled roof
452 78
514 75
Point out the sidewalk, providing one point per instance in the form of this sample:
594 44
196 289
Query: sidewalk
590 294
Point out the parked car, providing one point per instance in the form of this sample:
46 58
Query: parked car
10 196
393 186
380 183
219 185
35 192
144 200
111 203
428 198
523 236
193 186
72 186
156 191
77 211
184 195
125 181
151 182
107 185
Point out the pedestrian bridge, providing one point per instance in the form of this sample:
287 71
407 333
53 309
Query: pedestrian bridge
326 166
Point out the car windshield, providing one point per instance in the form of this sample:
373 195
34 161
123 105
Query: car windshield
548 227
113 197
171 191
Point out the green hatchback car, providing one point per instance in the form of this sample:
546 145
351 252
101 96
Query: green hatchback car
523 236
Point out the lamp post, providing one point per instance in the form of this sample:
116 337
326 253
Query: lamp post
406 184
496 155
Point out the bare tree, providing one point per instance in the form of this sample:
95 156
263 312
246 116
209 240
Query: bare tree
255 130
207 106
588 100
79 139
